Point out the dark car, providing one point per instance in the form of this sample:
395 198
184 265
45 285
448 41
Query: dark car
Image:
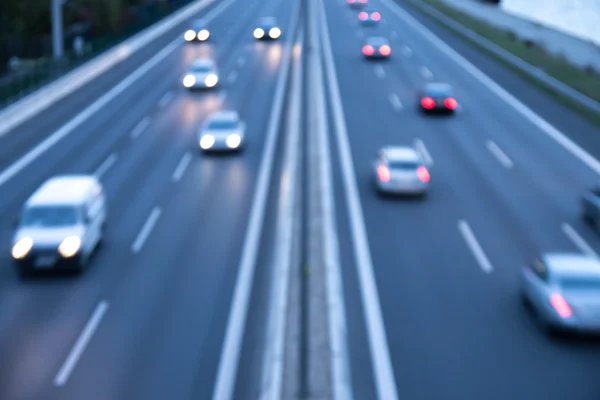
377 48
437 97
369 17
267 29
197 32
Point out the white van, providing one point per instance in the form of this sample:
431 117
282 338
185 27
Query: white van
61 225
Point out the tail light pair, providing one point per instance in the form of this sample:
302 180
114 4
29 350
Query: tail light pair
363 16
384 175
384 50
428 103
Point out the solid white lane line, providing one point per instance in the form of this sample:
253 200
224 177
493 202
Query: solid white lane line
241 61
140 127
274 360
84 338
232 77
234 334
165 99
502 93
181 167
383 370
105 166
426 73
379 71
420 146
474 246
406 51
578 240
146 230
97 105
395 100
500 155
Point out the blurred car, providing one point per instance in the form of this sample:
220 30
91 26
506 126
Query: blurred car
357 3
377 48
400 170
223 131
369 17
197 32
563 292
267 29
437 97
61 224
591 207
202 75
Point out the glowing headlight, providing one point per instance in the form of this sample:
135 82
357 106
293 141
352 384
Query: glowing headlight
233 141
189 35
22 248
259 33
203 35
189 81
274 33
211 80
70 246
207 142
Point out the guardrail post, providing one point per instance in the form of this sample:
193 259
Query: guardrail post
57 28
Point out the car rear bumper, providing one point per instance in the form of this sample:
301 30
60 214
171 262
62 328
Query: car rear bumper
401 189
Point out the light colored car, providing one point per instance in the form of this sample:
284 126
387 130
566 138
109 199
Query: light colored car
377 48
202 75
400 170
222 131
61 224
197 32
437 97
563 292
267 29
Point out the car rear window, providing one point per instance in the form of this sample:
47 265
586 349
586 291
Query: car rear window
201 68
403 165
222 125
580 283
439 92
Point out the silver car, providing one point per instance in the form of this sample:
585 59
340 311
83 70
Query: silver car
400 170
202 75
563 292
223 131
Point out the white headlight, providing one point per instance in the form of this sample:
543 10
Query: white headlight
274 33
207 142
189 35
259 33
189 81
22 248
233 141
211 80
203 35
70 246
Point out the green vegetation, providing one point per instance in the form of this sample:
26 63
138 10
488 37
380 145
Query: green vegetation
586 82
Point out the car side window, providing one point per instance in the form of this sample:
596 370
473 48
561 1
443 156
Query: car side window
539 268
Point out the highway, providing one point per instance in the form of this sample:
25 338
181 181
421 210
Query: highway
152 316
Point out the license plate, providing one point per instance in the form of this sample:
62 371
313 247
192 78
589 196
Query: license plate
45 261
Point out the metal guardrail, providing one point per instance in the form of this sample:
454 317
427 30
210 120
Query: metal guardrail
513 60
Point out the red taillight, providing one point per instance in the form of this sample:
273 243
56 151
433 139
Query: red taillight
428 103
383 173
450 103
560 305
385 50
350 1
375 16
363 1
368 50
423 174
363 16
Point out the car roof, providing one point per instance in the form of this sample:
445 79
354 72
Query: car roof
377 40
64 190
203 62
571 264
438 87
224 116
267 21
401 153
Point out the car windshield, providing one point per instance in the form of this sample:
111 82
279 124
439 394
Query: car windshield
197 25
222 125
405 165
580 283
54 216
201 68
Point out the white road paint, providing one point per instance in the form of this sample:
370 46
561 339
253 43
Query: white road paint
232 77
474 246
97 105
140 127
426 73
383 370
379 71
499 154
420 146
141 238
543 125
396 103
406 51
166 99
106 165
84 338
181 167
241 61
578 240
274 360
234 334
